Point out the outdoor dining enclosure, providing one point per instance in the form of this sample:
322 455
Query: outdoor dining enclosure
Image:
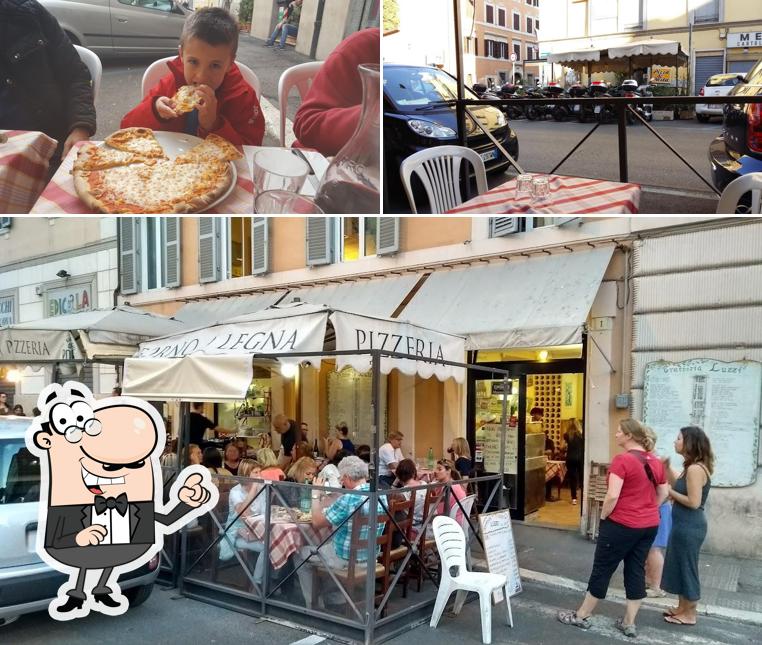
272 562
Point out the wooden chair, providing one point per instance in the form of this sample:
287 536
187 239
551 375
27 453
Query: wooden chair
426 546
354 576
401 509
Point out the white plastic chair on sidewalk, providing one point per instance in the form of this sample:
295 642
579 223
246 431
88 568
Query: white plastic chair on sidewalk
736 189
93 64
467 503
438 169
159 69
300 75
451 544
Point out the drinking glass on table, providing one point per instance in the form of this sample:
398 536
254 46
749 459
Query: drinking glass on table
540 188
523 186
283 202
278 169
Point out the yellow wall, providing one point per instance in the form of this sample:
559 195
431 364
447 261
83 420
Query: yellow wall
429 420
287 243
428 232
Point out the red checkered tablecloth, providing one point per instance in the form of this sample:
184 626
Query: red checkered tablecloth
567 195
286 538
60 197
555 469
24 162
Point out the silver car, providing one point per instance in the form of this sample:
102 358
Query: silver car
121 26
27 584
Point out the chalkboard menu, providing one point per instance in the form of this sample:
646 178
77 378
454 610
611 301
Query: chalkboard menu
488 437
500 548
721 398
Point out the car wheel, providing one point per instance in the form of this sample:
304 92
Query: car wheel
138 595
74 40
702 118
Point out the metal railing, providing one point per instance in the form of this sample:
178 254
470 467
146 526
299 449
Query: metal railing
622 107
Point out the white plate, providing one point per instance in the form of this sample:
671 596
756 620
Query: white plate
178 143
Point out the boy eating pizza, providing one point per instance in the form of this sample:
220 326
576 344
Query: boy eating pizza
204 92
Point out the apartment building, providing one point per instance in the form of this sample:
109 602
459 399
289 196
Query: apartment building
718 35
503 38
580 312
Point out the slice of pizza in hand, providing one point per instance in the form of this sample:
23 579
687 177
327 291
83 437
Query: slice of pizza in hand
214 147
186 99
140 141
91 156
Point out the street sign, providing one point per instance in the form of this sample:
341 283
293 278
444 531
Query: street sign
513 57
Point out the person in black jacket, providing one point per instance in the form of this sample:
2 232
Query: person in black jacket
575 457
44 85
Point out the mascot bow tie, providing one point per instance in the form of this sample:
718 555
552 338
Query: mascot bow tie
106 503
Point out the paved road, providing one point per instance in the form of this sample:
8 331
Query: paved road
169 619
120 84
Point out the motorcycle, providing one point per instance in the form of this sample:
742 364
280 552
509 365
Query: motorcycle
577 91
605 113
559 112
514 92
483 92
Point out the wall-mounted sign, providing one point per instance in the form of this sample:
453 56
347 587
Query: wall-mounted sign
7 309
722 398
72 299
488 438
745 39
662 75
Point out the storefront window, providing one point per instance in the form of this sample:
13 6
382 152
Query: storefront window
358 237
240 246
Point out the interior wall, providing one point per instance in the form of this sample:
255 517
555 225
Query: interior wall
311 401
429 418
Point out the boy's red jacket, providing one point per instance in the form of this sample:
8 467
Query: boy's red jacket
237 107
331 110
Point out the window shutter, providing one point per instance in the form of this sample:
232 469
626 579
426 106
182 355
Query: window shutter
319 241
260 245
499 226
388 235
170 234
129 254
209 251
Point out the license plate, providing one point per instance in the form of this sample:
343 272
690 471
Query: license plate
597 109
575 108
489 155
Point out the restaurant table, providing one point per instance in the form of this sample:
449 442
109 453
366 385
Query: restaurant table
60 196
286 538
555 469
567 195
24 162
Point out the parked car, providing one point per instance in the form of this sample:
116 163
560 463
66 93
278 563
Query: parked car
121 26
27 584
738 150
417 117
717 85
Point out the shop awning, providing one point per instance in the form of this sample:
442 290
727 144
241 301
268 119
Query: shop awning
645 48
173 367
583 55
207 312
101 334
530 302
370 297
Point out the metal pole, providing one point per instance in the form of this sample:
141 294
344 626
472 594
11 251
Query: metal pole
460 109
370 577
503 430
621 113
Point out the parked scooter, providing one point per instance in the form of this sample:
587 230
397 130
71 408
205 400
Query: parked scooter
577 91
483 92
559 112
604 112
513 92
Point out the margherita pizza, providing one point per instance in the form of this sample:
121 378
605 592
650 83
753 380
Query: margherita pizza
138 140
186 99
114 181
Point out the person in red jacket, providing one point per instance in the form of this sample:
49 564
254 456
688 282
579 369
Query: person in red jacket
331 110
229 106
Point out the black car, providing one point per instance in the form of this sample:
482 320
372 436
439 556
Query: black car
738 150
416 117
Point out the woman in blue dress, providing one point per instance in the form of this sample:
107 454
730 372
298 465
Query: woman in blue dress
688 493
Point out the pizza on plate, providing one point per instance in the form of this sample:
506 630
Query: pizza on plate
186 99
140 141
113 180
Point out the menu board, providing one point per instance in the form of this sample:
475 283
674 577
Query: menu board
721 398
500 548
488 436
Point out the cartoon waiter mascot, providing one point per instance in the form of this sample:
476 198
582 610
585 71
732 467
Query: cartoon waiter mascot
101 502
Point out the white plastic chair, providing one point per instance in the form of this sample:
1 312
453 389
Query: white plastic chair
159 68
439 170
93 64
451 544
301 76
736 189
467 503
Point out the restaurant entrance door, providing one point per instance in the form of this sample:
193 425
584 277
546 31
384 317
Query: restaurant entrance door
543 398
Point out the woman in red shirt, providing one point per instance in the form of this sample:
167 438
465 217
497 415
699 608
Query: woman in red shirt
629 521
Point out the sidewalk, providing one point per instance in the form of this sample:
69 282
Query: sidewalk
730 587
268 63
